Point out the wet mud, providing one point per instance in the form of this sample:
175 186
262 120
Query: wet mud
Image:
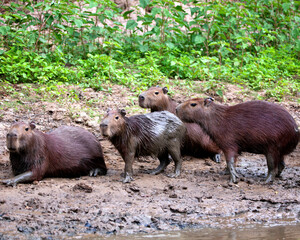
201 197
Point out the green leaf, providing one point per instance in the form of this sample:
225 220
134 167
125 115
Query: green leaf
219 93
125 14
4 29
93 4
143 48
199 39
78 23
155 11
131 24
286 6
43 40
194 10
144 3
170 45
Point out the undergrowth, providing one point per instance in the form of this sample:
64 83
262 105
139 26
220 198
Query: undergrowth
249 43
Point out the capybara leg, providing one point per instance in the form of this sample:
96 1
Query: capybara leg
216 158
175 154
281 166
164 161
128 173
230 158
24 177
272 167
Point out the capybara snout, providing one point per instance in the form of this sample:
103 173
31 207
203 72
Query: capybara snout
15 138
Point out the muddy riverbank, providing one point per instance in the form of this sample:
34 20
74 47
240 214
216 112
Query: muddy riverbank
102 206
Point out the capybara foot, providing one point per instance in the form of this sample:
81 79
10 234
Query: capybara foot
9 182
270 178
128 178
216 158
97 171
156 171
174 175
233 178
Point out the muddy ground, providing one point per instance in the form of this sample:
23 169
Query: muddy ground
101 206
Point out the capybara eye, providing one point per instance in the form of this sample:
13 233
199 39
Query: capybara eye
156 93
193 104
117 117
26 129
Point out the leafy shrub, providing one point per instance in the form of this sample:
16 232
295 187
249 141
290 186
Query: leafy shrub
254 43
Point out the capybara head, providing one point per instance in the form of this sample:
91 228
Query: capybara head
186 110
154 97
19 136
113 123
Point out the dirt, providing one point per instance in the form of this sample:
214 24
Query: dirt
202 196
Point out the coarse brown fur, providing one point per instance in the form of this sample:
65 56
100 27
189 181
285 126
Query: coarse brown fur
196 142
156 134
64 152
255 126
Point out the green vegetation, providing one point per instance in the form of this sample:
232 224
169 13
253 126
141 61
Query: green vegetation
251 43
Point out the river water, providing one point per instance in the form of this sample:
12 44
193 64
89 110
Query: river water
291 232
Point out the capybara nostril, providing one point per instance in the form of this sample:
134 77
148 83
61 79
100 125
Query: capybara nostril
103 125
12 135
141 97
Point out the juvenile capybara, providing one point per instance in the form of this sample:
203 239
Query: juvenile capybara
254 126
156 134
196 142
64 152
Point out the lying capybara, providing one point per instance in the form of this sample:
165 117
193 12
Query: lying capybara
196 142
156 134
63 152
254 126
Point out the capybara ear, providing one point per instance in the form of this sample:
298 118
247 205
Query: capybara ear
108 110
165 90
208 101
123 112
32 125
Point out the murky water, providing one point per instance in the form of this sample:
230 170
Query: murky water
291 232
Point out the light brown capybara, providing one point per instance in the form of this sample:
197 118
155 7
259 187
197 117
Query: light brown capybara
155 134
255 126
196 142
64 152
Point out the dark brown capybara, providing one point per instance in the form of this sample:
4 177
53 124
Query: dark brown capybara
254 126
64 152
196 142
155 134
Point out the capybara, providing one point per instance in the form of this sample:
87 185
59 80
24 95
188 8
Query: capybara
254 126
196 142
156 134
64 152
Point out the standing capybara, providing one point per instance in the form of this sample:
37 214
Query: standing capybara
63 152
156 134
196 142
254 126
